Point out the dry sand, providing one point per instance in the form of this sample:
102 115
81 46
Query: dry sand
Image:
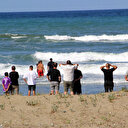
105 110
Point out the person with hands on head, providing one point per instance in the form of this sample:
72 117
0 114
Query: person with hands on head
68 76
108 76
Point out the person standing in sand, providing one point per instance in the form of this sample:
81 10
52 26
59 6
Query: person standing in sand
14 76
30 79
68 72
40 69
108 76
77 77
55 78
6 83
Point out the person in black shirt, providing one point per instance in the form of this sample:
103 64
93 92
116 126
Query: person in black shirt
55 78
50 64
77 85
14 76
108 76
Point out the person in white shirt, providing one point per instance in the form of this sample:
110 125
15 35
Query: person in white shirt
68 76
30 79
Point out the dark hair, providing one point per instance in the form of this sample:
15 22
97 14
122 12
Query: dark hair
6 73
55 65
51 59
69 62
13 67
40 61
31 67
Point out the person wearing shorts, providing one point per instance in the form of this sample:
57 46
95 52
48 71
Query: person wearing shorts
30 79
68 76
40 69
55 78
108 76
14 76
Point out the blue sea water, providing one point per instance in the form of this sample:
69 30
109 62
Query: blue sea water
89 38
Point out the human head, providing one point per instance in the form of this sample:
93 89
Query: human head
51 59
31 67
76 67
40 62
107 65
13 68
6 73
69 62
55 65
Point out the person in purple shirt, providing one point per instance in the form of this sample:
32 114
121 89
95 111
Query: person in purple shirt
6 83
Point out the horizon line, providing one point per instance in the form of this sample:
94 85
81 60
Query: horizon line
64 10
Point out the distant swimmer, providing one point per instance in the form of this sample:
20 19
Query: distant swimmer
40 69
108 76
50 64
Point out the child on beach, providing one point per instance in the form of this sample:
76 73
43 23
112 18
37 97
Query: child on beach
6 83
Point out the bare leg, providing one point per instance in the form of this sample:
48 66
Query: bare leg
29 93
34 93
57 92
72 93
52 92
65 93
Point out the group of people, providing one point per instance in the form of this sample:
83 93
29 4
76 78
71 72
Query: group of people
71 78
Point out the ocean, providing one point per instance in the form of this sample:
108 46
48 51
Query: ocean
88 38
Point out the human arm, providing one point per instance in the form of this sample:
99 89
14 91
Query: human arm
3 87
114 66
126 77
25 80
7 88
48 78
102 67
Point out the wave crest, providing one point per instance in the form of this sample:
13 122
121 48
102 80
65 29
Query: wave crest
89 38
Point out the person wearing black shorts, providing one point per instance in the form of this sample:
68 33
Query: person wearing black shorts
108 76
30 79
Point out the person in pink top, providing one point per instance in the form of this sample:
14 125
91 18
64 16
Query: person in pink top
6 83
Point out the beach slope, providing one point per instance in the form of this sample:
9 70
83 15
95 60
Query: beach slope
104 110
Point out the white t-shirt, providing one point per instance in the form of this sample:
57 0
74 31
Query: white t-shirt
68 72
31 77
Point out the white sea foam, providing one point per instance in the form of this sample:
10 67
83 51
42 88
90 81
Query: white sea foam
89 38
91 73
18 37
83 56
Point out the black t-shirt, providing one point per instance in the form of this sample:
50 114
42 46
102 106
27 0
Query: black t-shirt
77 74
14 78
50 65
108 74
54 74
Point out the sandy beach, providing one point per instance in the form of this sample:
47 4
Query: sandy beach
104 110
